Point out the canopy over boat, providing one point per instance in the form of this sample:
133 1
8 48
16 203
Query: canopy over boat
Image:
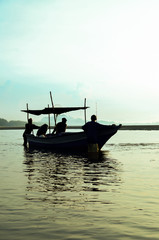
55 110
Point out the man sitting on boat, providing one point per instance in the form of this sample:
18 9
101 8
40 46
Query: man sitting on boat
60 127
42 130
28 129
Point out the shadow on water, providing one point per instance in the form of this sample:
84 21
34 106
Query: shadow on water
60 178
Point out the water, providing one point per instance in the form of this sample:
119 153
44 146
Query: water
53 196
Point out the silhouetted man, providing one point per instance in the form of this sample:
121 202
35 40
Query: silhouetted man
60 127
91 129
42 130
28 129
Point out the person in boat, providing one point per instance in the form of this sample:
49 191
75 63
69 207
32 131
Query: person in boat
91 129
28 129
60 127
42 130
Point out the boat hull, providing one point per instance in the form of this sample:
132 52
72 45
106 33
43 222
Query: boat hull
70 141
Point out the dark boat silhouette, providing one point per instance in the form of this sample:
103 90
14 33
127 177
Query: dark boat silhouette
68 141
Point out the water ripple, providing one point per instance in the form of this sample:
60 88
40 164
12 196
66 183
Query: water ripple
54 174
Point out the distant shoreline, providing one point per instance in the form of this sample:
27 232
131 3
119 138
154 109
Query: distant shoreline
124 127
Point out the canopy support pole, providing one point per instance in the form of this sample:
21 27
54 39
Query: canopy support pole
53 107
85 110
27 112
49 121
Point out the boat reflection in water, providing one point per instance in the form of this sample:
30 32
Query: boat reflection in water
70 179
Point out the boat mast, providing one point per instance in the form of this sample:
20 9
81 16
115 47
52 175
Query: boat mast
96 109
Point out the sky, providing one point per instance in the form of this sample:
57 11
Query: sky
106 51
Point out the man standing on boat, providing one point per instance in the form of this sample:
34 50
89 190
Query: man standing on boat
91 129
28 129
60 127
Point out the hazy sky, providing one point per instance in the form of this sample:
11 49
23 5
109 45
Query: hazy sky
104 50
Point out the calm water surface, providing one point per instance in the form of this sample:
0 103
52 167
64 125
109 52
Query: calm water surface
53 196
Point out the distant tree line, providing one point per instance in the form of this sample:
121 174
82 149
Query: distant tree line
71 122
5 123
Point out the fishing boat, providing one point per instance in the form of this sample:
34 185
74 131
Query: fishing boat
68 141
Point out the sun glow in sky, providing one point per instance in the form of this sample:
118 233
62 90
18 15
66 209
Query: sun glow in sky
104 50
